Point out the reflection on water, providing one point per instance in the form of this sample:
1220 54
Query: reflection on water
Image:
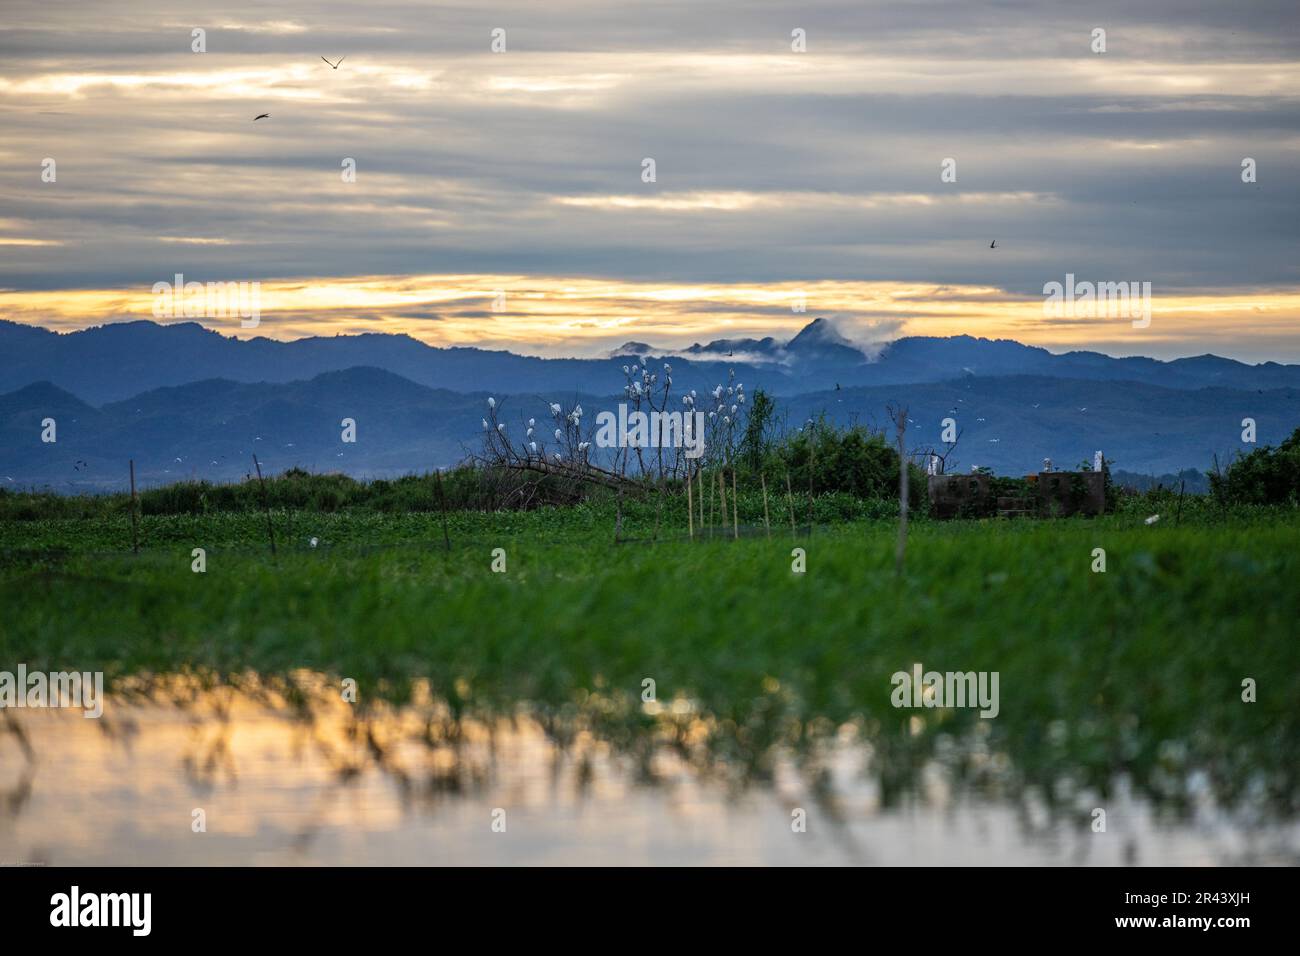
290 774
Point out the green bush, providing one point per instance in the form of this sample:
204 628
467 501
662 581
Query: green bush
853 460
1267 476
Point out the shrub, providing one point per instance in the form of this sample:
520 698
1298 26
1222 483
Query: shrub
1267 476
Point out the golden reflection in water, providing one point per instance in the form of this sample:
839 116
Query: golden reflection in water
281 782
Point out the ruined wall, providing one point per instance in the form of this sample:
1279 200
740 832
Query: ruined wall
1049 494
953 495
1063 493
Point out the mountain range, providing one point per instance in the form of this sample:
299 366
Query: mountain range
113 362
186 402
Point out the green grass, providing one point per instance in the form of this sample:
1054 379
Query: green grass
1135 671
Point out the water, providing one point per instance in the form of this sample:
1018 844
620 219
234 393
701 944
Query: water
283 784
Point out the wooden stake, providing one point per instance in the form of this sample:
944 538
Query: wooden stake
266 504
735 514
767 523
699 473
789 502
901 554
710 507
690 506
135 528
812 464
722 496
442 501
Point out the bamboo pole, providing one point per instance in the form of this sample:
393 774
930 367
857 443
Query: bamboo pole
266 504
767 522
710 506
735 513
699 474
789 502
690 506
812 466
135 527
722 496
901 554
442 501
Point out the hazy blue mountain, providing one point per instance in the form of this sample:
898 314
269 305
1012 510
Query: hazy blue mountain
112 362
215 426
1142 428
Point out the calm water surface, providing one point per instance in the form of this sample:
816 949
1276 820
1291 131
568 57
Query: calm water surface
412 786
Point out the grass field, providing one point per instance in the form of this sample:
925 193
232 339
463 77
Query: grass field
1136 671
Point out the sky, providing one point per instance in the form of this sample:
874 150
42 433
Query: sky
500 198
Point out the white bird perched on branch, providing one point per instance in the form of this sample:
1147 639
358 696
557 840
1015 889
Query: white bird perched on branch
555 408
492 402
485 424
532 446
532 422
559 435
502 428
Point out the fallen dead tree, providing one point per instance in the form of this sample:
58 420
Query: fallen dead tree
584 472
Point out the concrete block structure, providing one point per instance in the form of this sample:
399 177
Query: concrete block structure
1064 493
954 495
1048 494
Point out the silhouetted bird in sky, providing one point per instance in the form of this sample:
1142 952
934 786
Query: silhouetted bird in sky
261 116
993 244
335 65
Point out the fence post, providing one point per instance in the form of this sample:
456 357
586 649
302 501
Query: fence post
135 530
266 504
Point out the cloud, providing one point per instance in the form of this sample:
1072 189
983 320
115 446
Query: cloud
773 168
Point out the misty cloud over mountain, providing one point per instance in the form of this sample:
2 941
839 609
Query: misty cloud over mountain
185 402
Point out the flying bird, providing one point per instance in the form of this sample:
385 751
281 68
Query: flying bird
993 244
261 116
335 65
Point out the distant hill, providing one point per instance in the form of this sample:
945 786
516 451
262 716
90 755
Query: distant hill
112 362
215 426
1011 423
